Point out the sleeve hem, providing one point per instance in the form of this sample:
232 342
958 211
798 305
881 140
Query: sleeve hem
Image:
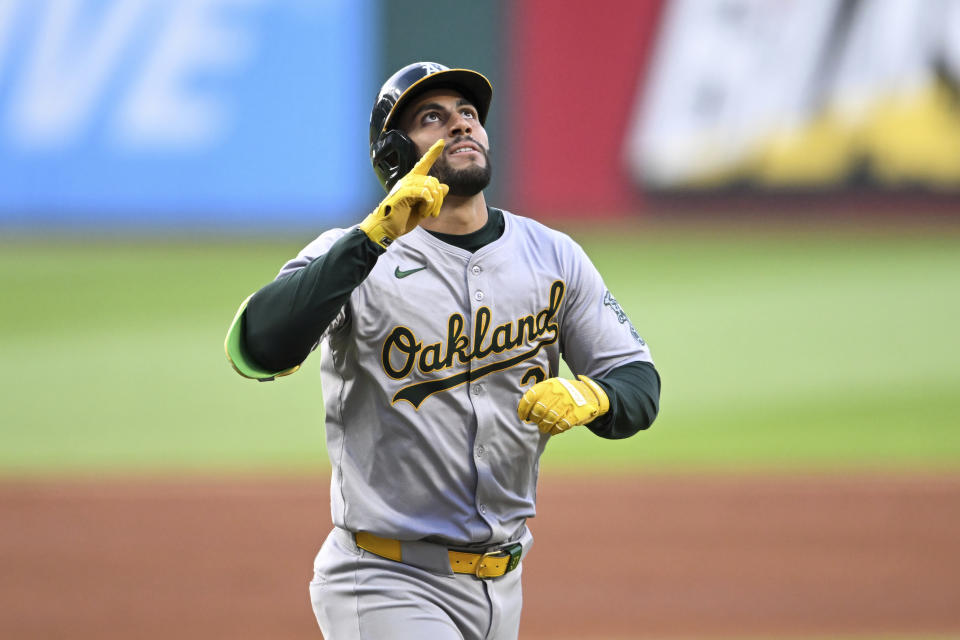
237 354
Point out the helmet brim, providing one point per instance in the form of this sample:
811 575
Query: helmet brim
474 86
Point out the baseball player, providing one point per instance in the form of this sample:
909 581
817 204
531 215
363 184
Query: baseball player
441 322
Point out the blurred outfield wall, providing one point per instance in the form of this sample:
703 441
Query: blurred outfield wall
253 114
620 100
208 113
184 112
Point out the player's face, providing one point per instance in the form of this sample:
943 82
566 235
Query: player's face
445 114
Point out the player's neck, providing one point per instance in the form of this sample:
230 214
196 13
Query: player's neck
459 215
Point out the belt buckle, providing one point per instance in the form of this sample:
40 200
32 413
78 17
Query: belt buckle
513 551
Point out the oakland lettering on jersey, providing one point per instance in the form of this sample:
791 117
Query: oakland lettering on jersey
402 346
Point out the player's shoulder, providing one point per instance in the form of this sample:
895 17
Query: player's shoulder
538 233
322 243
316 248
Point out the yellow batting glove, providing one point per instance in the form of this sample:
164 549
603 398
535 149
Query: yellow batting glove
414 197
556 404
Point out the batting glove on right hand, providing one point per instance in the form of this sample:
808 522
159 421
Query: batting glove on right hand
557 404
414 197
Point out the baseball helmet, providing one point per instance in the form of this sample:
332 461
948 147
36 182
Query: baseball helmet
392 152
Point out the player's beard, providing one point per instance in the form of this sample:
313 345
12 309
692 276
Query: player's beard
463 182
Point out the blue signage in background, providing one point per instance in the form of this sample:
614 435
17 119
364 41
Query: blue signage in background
182 113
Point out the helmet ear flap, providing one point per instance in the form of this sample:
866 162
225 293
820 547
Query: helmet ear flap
393 156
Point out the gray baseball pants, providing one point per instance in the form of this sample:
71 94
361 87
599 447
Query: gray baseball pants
358 595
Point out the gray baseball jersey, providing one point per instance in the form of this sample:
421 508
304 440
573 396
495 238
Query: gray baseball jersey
424 366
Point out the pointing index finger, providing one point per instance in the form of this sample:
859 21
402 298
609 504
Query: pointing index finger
423 165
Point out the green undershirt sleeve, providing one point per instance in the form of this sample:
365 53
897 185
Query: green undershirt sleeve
634 392
285 319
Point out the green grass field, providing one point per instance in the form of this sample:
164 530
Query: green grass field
802 350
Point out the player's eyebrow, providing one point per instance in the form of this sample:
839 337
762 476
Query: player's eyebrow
428 106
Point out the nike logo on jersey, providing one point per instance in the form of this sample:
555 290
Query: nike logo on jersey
403 274
402 350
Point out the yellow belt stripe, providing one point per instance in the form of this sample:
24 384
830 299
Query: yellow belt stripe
460 561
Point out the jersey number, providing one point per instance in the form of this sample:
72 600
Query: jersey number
533 375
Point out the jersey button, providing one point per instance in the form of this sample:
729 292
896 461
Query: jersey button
476 270
483 508
477 389
480 450
478 295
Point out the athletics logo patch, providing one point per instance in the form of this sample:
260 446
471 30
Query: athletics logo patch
611 302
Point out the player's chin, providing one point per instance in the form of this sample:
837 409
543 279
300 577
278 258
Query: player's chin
467 181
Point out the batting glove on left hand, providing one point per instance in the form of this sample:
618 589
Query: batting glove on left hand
414 197
556 404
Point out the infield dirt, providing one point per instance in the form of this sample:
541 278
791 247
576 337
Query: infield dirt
622 557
